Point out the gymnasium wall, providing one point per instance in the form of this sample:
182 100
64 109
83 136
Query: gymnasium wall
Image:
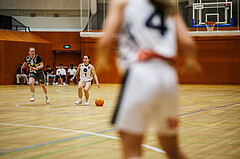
88 47
218 55
62 55
58 39
13 50
220 59
53 23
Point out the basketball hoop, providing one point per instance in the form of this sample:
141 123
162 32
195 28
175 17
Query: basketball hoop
210 26
226 6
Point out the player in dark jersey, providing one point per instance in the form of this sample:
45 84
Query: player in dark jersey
35 64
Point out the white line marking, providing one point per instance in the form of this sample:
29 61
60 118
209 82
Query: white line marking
17 92
47 107
60 90
84 132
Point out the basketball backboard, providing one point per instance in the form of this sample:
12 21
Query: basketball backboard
218 12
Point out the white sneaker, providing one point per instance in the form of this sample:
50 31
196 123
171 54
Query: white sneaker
78 102
86 104
56 83
64 83
47 100
33 98
46 84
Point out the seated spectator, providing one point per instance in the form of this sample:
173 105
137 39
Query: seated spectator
71 72
61 73
19 75
50 74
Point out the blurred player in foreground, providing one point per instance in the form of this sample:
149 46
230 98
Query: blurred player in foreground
35 64
87 72
148 31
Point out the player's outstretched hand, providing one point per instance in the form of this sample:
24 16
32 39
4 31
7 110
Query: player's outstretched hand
191 66
98 85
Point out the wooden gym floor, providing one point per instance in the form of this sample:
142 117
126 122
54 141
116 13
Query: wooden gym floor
210 124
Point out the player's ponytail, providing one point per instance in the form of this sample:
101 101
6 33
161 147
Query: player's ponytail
167 7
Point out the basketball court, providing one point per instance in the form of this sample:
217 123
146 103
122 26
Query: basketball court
209 126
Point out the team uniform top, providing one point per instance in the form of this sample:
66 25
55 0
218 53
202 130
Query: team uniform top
148 31
145 28
85 72
33 62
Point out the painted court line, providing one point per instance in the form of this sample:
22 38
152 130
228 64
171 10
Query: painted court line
5 150
47 107
97 134
78 131
209 109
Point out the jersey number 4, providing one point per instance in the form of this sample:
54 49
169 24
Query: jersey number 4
161 27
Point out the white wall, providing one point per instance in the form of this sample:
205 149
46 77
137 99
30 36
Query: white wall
53 23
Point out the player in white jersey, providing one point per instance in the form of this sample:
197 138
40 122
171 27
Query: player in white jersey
147 42
87 72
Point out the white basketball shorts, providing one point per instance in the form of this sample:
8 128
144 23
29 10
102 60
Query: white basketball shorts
149 94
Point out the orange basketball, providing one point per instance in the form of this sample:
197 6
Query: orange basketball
99 102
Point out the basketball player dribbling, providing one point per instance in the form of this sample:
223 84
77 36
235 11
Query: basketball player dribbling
148 31
35 64
87 72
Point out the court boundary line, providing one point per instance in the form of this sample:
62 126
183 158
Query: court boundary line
77 131
112 137
49 108
107 136
197 111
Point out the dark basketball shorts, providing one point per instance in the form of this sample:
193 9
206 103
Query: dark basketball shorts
39 76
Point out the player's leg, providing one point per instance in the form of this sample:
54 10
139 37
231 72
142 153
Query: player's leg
32 89
86 92
44 88
131 145
166 118
170 146
42 80
45 92
81 84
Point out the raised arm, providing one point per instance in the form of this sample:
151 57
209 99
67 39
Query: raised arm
112 26
188 47
113 22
